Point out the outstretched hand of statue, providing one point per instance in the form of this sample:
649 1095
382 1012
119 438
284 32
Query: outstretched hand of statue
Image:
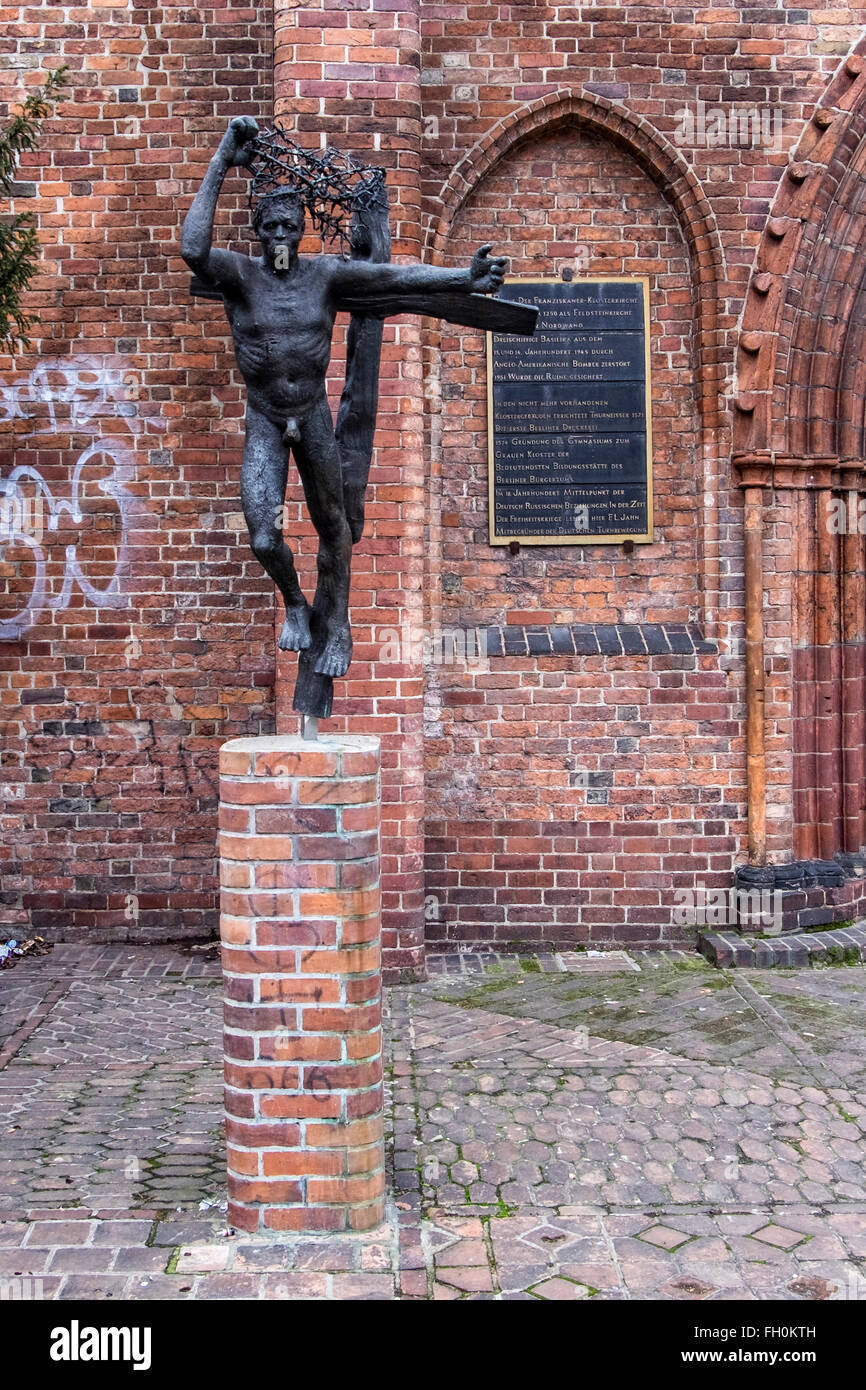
487 272
237 143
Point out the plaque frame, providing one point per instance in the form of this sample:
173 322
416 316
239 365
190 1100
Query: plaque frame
583 537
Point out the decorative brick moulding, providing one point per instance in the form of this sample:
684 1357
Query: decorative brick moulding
300 927
597 639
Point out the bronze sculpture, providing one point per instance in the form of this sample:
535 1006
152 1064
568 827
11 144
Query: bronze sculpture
281 308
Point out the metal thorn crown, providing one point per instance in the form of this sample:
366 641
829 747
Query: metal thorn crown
332 186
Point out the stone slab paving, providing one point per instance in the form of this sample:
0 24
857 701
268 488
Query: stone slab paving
629 1127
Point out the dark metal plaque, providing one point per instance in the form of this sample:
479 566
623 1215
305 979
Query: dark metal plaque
569 430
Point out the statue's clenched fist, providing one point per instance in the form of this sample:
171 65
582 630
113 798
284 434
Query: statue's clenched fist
237 143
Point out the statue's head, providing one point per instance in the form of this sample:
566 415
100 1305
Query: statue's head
278 222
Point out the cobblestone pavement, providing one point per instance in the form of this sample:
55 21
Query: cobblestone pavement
561 1127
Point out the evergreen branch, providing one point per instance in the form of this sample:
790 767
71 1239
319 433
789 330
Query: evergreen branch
19 242
23 130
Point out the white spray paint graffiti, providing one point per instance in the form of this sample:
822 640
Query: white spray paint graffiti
79 392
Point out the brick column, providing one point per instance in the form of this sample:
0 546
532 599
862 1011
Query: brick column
352 74
300 927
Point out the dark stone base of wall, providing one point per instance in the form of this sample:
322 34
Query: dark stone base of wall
806 894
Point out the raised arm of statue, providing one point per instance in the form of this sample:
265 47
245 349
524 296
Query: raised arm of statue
219 268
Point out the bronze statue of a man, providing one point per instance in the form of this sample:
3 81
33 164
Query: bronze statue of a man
281 308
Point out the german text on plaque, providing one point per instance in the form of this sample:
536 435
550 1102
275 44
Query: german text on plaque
569 435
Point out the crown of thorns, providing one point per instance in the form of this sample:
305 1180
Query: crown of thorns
330 185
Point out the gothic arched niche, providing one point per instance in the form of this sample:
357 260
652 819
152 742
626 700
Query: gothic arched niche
567 196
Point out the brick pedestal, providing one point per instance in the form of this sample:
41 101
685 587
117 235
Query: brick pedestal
300 927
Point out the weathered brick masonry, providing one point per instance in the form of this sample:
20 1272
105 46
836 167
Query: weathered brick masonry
565 794
112 716
302 970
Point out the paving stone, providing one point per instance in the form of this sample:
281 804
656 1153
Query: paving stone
202 1259
294 1286
47 1234
469 1280
77 1259
158 1286
139 1258
560 1290
465 1252
15 1262
557 1119
413 1283
176 1232
90 1288
13 1232
443 1294
363 1286
121 1232
223 1286
778 1236
664 1237
686 1287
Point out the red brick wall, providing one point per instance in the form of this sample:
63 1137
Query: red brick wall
112 716
109 824
514 851
516 752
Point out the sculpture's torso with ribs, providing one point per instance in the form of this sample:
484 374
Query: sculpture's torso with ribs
282 326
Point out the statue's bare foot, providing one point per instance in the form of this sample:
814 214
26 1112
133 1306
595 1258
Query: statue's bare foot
295 636
337 654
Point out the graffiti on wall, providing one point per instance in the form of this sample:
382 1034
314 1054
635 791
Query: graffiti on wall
71 395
